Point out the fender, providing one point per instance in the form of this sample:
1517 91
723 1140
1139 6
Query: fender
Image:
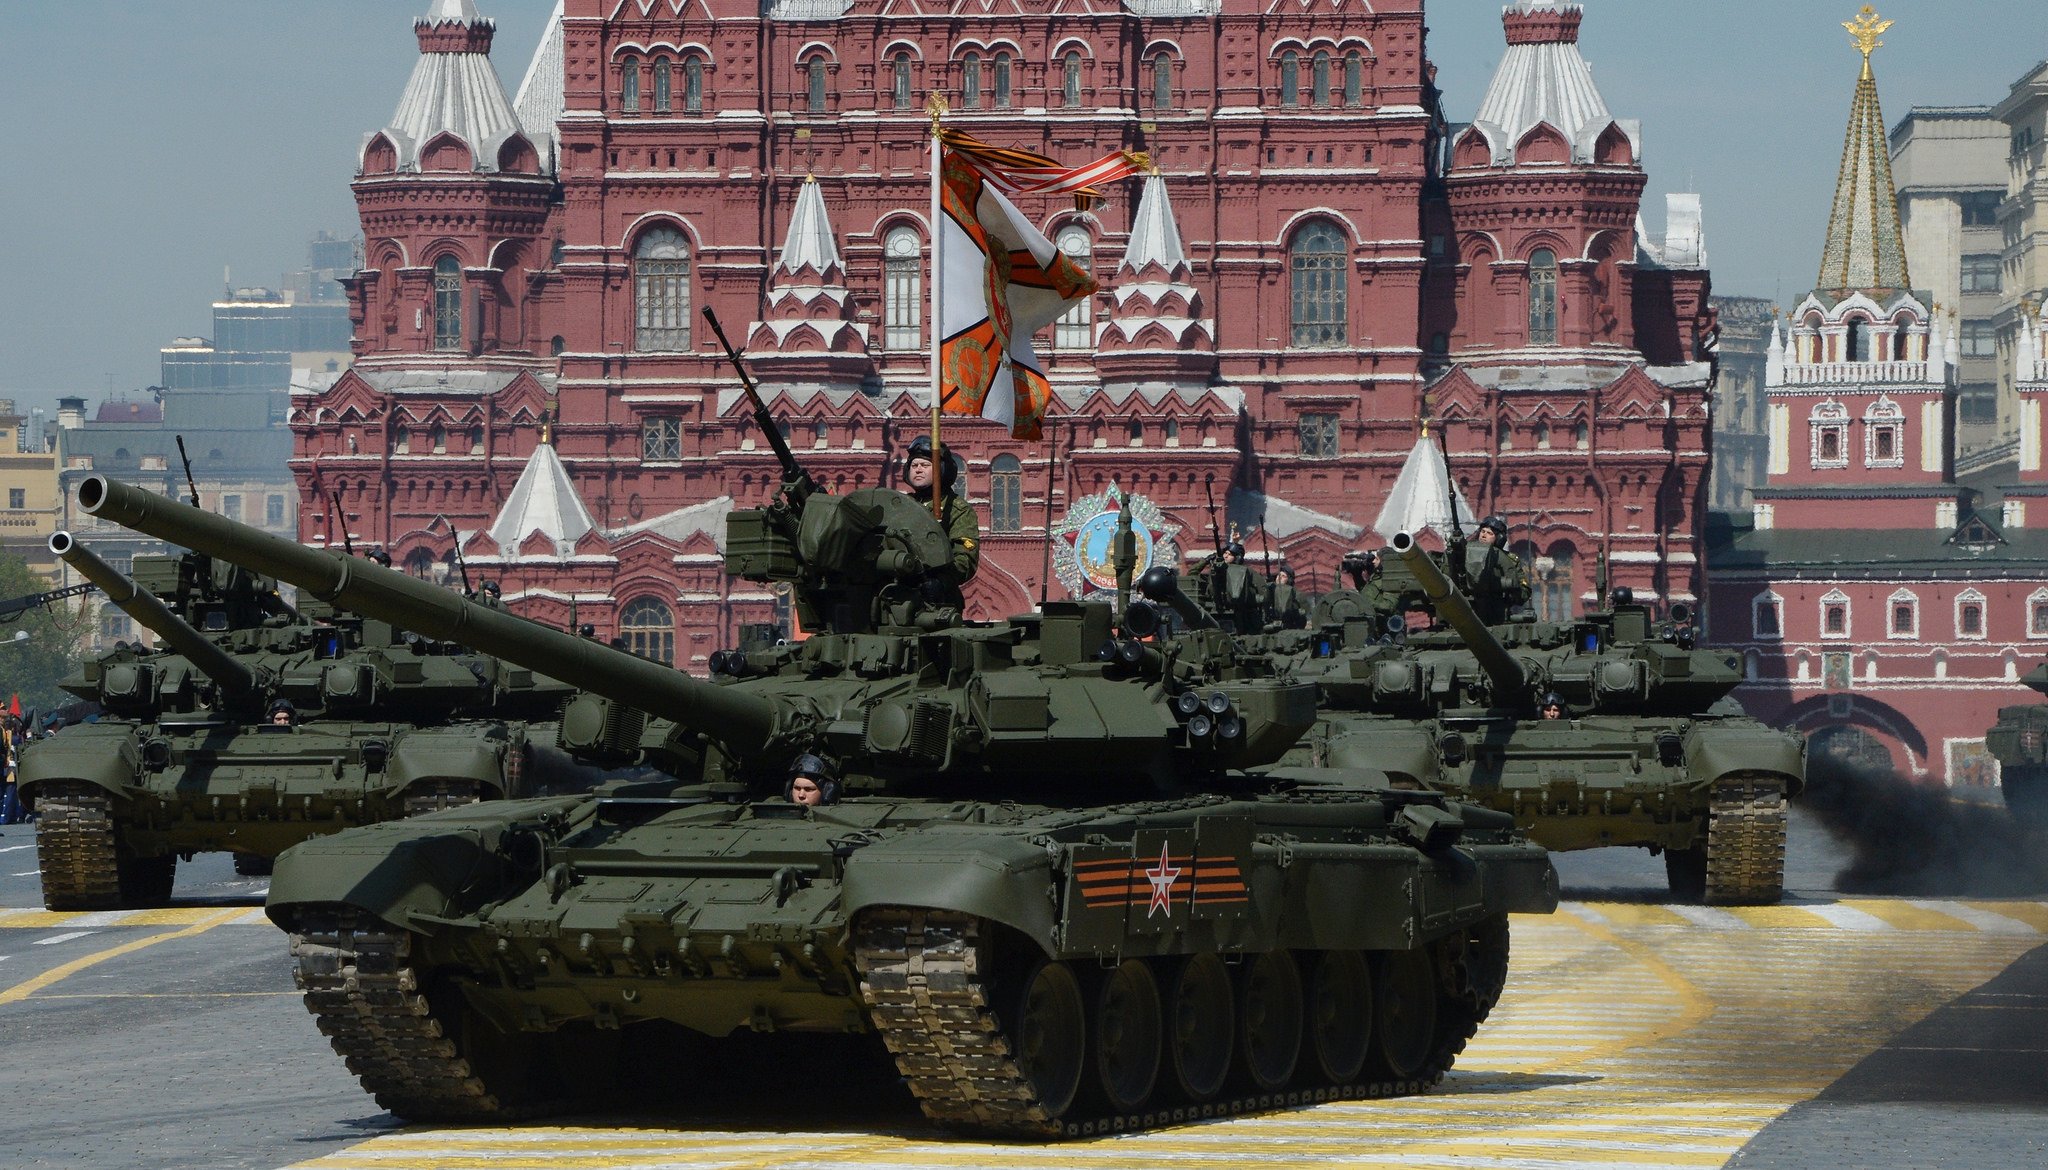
453 753
1004 879
1714 750
441 865
108 755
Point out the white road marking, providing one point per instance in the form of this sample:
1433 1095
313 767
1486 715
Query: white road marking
65 937
1713 918
1848 917
26 873
17 848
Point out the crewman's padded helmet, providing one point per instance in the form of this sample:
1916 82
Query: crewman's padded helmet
1499 527
492 588
284 705
1551 699
378 556
921 448
1235 550
819 771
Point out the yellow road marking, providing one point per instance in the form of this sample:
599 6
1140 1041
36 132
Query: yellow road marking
28 987
1782 918
1633 914
1694 1005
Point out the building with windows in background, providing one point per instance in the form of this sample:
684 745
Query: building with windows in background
1323 259
28 489
1880 603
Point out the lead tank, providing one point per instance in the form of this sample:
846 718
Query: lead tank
185 760
1652 752
1063 881
2019 742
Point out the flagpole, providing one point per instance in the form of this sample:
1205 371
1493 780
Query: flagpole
936 107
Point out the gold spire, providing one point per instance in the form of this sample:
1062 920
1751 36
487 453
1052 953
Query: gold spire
1865 247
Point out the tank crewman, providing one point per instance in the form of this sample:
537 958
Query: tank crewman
281 714
1553 706
1284 602
378 556
956 515
811 781
490 595
1500 581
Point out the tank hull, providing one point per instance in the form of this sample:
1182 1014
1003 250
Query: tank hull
1668 784
619 914
117 797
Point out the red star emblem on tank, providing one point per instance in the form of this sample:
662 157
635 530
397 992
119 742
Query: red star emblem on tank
1162 878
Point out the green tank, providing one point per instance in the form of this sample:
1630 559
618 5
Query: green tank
1650 751
1062 881
2019 742
371 724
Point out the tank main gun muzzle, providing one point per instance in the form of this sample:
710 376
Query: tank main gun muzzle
152 614
741 722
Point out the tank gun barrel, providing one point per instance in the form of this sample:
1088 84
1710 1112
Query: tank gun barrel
740 721
1499 665
154 616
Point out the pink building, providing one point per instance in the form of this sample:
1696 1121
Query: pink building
1880 604
1321 261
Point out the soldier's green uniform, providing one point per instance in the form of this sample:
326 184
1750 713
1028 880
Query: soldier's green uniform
956 515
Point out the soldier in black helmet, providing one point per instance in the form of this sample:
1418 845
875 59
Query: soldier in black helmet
1500 582
944 582
811 781
282 714
1552 706
378 556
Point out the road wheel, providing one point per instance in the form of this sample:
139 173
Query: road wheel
1404 1014
1269 1020
1201 1017
1128 1030
1048 1032
1340 1008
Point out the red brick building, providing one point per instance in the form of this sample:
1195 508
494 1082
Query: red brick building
1322 260
1880 604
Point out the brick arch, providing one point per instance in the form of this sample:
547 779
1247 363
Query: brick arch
1543 144
447 152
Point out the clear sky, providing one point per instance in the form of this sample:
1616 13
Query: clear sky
146 145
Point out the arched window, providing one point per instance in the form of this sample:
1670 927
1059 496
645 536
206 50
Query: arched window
420 563
1290 78
693 85
1354 80
1552 592
476 440
447 303
814 83
1319 84
1315 263
1162 82
902 289
661 291
1070 79
1858 340
629 84
970 82
1076 328
401 442
1543 297
1002 87
899 81
440 437
661 90
649 630
1005 494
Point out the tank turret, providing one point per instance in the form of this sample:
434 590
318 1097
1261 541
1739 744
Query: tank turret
232 676
2019 742
1509 681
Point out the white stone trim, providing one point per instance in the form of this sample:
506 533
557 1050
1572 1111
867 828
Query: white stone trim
1972 596
1835 597
1776 603
1899 597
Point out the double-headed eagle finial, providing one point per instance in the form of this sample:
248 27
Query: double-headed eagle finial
1865 29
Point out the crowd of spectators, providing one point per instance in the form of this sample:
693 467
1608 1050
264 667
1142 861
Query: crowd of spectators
14 733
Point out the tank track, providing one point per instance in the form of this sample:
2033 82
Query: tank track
81 865
440 794
920 979
363 992
1746 841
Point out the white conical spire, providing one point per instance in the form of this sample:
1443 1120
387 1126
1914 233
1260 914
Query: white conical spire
453 90
1155 236
810 242
1421 496
452 12
1774 356
544 500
